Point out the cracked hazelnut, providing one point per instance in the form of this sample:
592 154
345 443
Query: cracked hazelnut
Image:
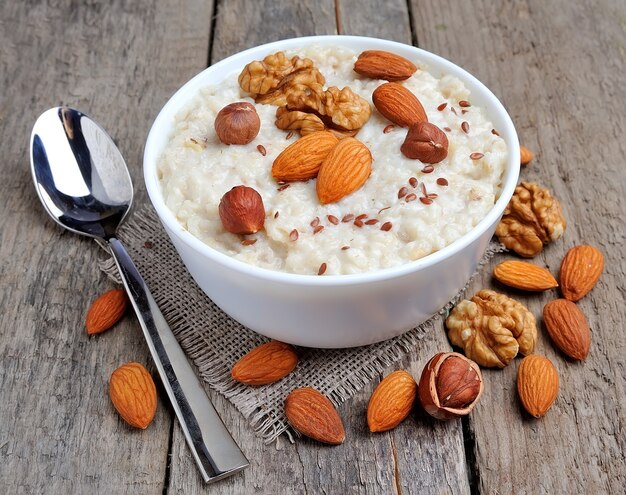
425 142
237 123
450 386
241 210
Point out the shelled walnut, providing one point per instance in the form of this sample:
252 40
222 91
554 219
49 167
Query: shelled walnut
297 87
492 328
532 218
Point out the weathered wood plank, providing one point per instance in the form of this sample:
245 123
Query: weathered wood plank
406 460
558 67
118 61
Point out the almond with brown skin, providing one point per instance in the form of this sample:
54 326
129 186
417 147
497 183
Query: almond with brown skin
524 276
537 384
344 170
379 64
265 364
312 414
425 142
242 211
302 159
391 401
106 311
526 155
568 328
580 271
398 104
133 394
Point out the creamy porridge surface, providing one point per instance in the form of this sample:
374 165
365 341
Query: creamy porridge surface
193 179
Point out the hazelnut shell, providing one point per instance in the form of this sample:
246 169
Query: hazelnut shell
237 123
242 211
427 388
425 142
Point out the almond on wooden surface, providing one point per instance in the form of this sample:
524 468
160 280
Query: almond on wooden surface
106 311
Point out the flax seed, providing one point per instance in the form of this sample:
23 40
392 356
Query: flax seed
389 128
248 242
411 197
428 169
293 235
333 219
465 127
283 187
262 149
318 229
315 222
426 201
442 182
289 135
402 192
413 182
386 226
442 107
322 269
347 218
464 103
476 156
345 248
494 132
373 221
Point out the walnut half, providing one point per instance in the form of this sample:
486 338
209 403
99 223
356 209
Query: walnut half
531 219
491 328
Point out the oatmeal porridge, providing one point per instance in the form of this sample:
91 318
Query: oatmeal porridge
406 209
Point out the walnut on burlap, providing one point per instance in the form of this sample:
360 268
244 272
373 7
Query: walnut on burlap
214 341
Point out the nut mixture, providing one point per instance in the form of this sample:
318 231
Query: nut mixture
451 167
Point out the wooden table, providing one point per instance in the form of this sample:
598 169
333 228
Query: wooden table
558 67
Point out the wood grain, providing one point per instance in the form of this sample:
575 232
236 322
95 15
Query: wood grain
558 71
117 61
557 66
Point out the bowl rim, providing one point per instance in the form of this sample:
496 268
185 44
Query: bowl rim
153 148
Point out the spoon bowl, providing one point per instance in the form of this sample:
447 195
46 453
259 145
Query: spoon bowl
80 174
84 184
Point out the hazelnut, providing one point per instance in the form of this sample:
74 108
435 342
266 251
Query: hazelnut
450 385
237 123
425 142
241 210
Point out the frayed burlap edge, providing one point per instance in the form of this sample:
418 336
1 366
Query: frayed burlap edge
263 411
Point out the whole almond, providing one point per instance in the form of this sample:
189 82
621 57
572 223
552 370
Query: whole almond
568 328
345 169
106 311
265 364
391 401
398 104
537 384
302 159
312 414
524 276
526 155
379 64
133 394
580 271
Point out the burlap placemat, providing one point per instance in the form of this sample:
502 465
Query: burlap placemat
214 341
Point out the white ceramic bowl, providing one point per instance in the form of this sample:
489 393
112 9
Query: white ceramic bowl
340 310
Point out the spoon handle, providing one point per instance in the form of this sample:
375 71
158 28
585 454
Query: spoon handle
213 448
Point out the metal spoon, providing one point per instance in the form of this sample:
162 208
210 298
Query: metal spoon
83 183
